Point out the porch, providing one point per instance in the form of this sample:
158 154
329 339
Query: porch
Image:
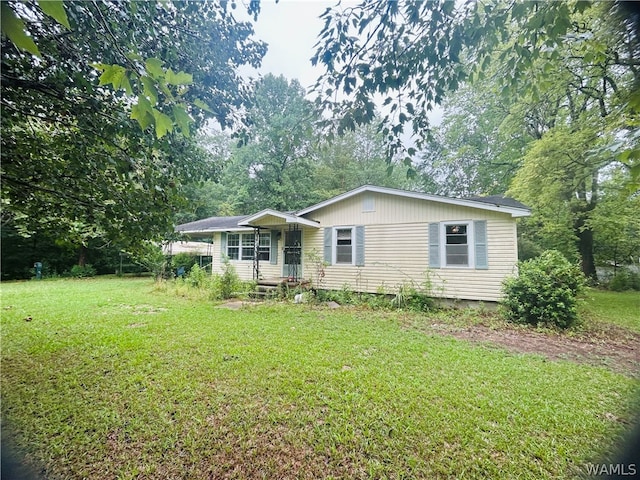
283 227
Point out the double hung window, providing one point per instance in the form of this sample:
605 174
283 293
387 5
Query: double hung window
264 247
233 246
242 246
344 246
457 244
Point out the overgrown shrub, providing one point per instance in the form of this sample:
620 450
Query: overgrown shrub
150 257
184 261
410 298
197 277
545 291
229 281
201 284
624 280
82 271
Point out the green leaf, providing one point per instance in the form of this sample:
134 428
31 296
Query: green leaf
153 66
100 66
164 124
150 89
126 85
182 119
113 74
180 78
55 9
143 112
13 28
201 105
134 55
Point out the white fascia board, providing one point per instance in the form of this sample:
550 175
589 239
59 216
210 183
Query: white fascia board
513 211
214 230
284 216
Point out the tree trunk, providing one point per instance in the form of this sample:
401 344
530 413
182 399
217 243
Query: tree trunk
585 247
82 256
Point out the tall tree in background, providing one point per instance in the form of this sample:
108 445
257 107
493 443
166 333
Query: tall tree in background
354 159
410 54
278 147
590 87
473 151
89 148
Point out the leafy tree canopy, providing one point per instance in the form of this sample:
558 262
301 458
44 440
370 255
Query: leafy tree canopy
90 115
409 54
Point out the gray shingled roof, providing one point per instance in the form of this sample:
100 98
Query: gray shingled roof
231 223
212 223
500 201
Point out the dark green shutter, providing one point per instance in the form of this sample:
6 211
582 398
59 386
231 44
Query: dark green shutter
360 245
223 246
273 255
434 245
328 240
480 232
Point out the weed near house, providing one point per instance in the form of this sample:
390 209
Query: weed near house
119 381
198 284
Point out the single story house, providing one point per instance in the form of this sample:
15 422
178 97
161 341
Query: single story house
375 239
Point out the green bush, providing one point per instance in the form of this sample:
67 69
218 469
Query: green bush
545 291
184 260
230 281
82 271
197 277
150 257
408 297
624 280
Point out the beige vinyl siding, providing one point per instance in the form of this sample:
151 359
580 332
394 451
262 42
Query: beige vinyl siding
396 248
391 209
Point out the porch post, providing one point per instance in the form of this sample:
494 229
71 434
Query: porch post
256 250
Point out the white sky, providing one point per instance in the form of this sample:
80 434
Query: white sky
291 29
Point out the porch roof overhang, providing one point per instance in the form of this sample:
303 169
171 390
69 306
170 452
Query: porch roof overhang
272 218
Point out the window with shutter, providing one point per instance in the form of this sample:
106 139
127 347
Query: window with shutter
458 244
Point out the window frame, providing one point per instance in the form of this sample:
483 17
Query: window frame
334 245
236 247
471 261
264 248
250 244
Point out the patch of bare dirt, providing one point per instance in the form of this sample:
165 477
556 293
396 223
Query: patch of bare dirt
236 304
616 348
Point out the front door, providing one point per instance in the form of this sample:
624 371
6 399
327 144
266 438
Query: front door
292 254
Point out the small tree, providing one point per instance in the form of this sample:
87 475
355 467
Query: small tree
545 291
317 267
184 260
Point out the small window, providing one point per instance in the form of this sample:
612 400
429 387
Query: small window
344 245
264 248
457 245
233 246
248 246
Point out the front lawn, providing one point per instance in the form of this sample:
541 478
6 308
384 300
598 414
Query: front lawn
110 378
619 308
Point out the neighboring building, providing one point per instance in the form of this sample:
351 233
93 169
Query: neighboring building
373 239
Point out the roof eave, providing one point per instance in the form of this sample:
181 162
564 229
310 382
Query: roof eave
214 230
514 212
284 216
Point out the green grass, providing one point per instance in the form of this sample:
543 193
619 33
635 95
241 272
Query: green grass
619 308
116 379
